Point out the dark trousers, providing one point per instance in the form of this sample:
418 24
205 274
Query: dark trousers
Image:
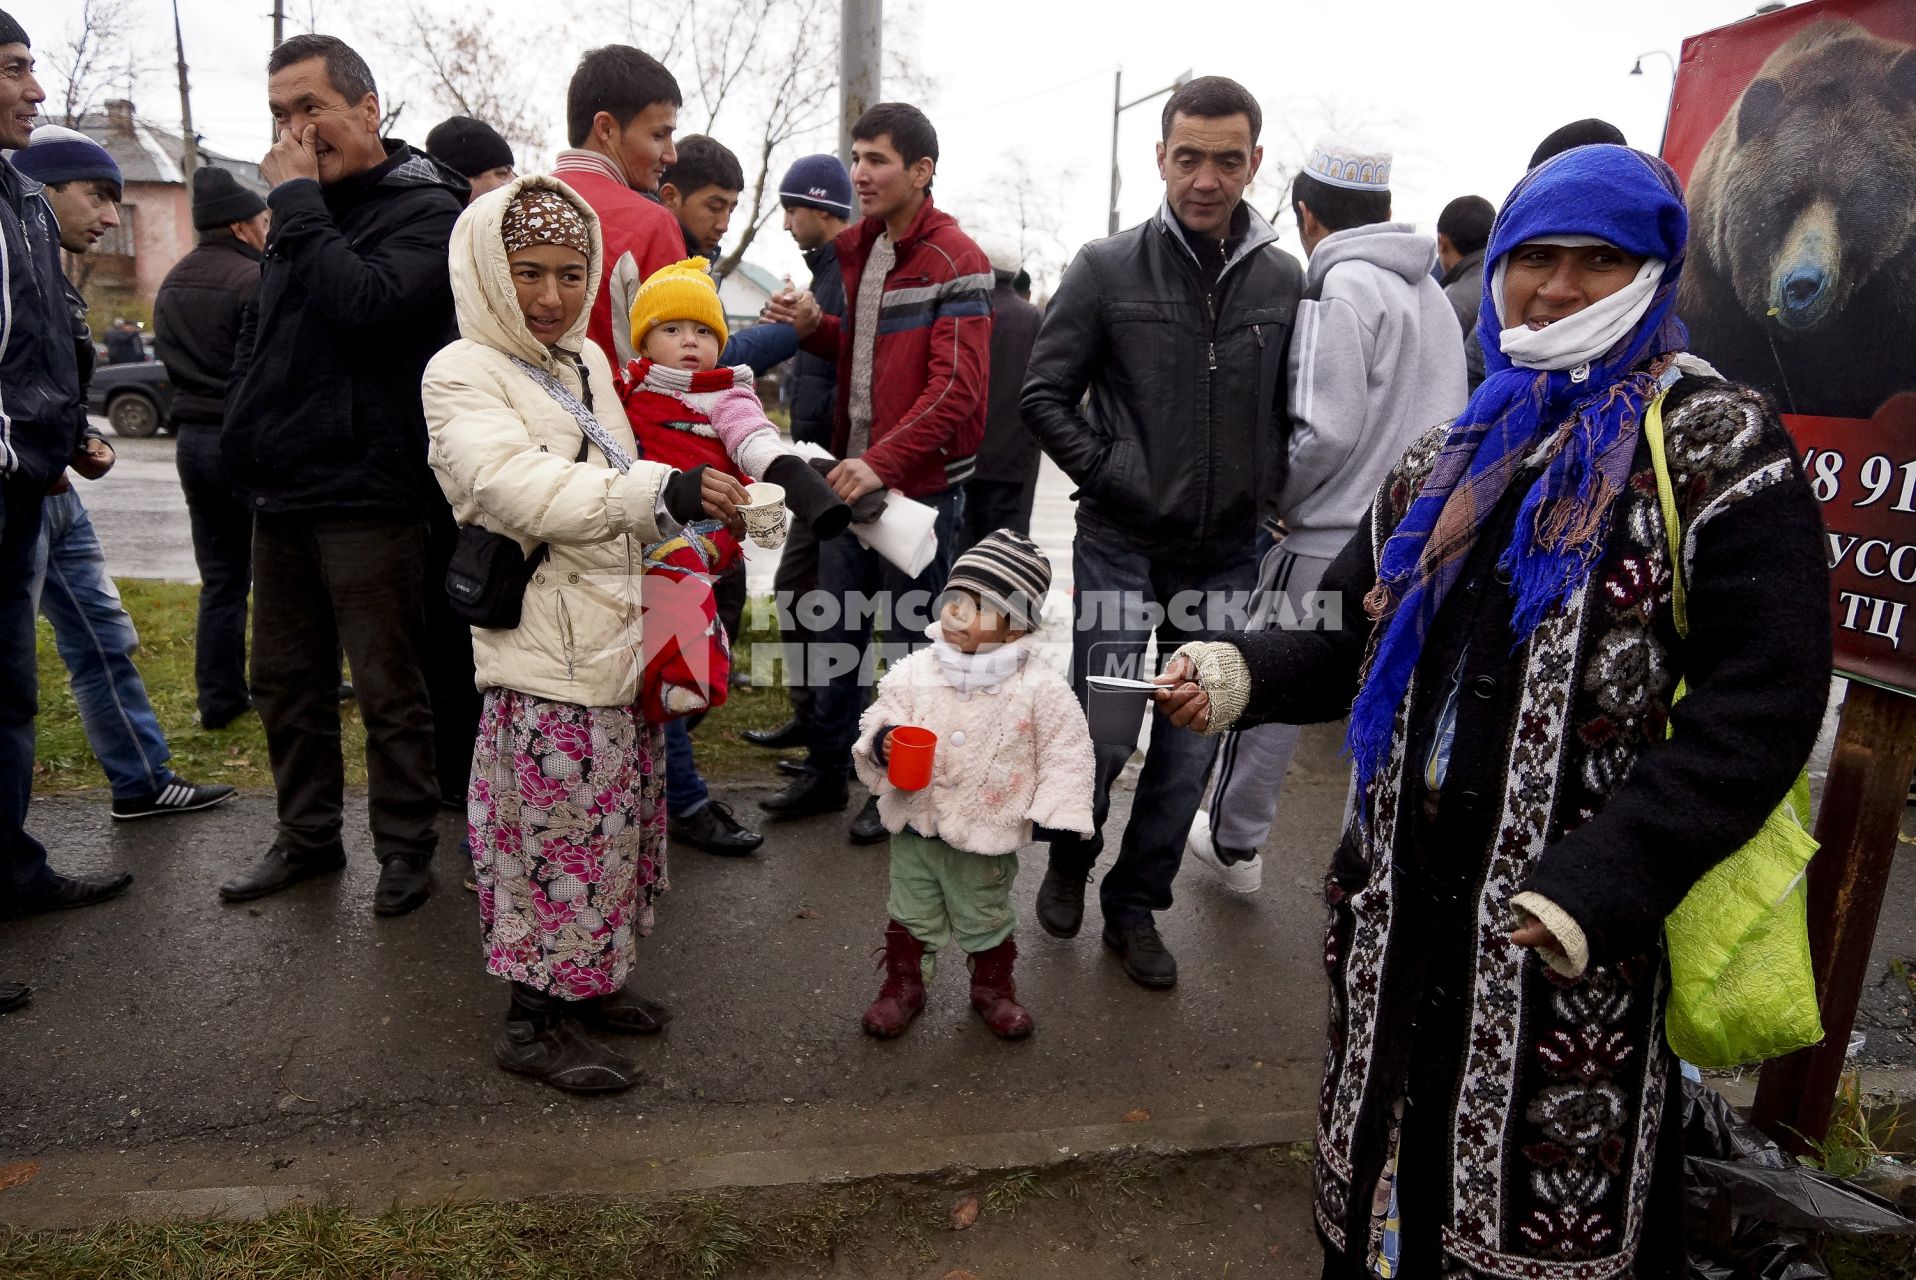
991 505
1116 592
866 588
323 583
450 685
23 860
223 550
797 574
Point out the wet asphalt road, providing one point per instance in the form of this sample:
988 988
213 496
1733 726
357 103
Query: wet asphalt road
176 1042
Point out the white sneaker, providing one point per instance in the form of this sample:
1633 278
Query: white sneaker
1238 877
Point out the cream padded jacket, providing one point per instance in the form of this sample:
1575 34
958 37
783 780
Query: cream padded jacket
504 452
1004 761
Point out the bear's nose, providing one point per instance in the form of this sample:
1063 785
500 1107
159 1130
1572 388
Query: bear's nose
1803 286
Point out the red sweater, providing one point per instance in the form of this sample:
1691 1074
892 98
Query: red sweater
640 234
931 365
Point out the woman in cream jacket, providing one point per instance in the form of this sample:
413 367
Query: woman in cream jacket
564 807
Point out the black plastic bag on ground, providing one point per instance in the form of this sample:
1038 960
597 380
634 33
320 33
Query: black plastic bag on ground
1753 1212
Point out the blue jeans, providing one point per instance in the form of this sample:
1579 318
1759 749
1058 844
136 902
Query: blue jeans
853 576
685 792
23 860
1117 592
97 642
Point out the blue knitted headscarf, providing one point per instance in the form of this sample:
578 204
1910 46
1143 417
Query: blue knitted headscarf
1627 199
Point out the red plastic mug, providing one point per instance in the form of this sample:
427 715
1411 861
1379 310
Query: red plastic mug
909 763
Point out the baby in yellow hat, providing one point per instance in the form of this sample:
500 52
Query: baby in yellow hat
688 412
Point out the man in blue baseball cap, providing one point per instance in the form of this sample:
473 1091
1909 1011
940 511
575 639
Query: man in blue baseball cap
39 432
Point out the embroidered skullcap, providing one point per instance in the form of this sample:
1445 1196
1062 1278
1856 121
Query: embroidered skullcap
538 215
1345 164
1009 573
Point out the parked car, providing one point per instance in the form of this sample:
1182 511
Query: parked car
135 398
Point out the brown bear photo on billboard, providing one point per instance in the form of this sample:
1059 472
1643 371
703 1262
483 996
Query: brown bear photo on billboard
1802 269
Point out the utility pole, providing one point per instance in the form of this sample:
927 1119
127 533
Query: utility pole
189 143
279 23
860 55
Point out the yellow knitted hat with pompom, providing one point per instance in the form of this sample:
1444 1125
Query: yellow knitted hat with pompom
682 291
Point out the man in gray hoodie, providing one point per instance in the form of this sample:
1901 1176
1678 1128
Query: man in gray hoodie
1375 359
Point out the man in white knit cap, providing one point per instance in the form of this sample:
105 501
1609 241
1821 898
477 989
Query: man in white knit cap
1375 359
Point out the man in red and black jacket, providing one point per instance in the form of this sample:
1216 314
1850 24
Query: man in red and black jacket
914 358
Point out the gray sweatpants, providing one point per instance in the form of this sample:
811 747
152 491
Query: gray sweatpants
1251 763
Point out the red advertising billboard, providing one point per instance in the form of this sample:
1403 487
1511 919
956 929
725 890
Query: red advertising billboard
1795 134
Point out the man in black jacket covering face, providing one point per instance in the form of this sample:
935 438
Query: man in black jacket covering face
325 436
1178 329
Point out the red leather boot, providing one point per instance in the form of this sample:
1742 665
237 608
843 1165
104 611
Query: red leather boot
994 996
903 994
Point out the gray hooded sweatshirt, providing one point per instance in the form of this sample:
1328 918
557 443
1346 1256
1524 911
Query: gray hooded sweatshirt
1375 359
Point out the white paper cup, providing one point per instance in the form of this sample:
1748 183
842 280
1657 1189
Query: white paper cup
764 514
1115 708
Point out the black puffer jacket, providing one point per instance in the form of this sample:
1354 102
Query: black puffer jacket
814 378
42 414
197 314
1187 428
354 299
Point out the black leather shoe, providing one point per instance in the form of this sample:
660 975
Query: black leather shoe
625 1012
63 893
1061 901
13 995
1147 961
715 830
404 885
808 795
867 827
277 869
795 768
789 734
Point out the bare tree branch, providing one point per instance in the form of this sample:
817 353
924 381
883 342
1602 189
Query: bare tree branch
468 72
100 54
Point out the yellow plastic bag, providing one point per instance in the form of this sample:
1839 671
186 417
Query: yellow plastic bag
1742 989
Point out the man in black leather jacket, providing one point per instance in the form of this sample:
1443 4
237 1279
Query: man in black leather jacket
1179 331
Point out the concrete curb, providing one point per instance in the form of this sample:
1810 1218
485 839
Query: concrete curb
961 1156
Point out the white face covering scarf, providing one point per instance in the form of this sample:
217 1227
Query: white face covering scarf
1578 339
968 672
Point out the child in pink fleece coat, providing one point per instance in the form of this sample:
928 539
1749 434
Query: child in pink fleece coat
1013 751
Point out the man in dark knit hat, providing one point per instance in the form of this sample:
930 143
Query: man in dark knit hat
39 432
197 316
474 150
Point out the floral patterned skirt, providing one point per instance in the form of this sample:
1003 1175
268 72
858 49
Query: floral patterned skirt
566 812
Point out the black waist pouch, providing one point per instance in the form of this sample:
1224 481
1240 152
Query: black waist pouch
486 580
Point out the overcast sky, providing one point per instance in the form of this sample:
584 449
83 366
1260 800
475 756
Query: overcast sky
1461 91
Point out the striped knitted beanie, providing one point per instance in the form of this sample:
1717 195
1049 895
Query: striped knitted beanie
1009 573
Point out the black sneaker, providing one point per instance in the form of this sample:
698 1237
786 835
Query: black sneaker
1147 961
1061 901
714 829
177 796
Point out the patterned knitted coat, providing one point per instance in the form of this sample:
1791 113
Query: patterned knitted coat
1529 1112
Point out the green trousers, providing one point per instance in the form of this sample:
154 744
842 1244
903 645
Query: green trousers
939 893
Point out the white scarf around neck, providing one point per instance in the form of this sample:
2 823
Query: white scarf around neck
969 672
1578 339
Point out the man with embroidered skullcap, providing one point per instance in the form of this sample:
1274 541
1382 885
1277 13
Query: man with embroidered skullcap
1377 357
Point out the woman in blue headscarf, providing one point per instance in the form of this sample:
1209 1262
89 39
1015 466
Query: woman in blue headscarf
1498 1097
